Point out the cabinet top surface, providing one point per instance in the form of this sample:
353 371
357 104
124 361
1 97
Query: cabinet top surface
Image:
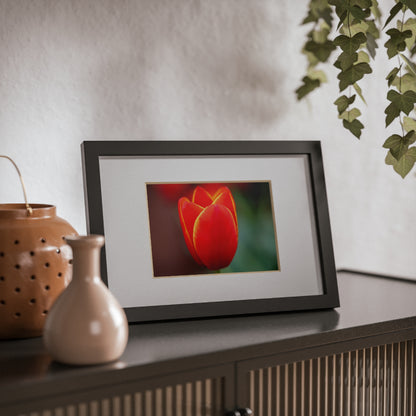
370 306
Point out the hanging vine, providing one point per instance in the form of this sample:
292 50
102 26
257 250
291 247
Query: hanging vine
358 26
353 63
318 47
401 155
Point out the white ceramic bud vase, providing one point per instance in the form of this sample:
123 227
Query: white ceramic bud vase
86 324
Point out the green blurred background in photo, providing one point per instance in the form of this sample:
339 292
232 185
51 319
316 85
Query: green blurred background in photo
257 247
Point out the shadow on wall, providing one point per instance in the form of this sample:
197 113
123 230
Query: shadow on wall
132 69
192 70
139 68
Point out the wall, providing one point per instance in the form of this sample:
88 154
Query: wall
72 70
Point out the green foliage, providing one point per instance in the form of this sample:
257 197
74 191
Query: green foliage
350 115
349 119
316 74
349 45
411 4
409 124
308 86
358 9
321 51
318 10
399 145
399 103
355 127
405 83
392 76
359 26
357 32
397 41
359 92
353 74
346 60
411 65
393 12
343 102
410 24
403 99
405 164
318 47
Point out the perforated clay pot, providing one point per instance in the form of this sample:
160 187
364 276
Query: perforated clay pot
35 266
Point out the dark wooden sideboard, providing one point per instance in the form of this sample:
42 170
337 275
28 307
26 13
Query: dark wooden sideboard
358 359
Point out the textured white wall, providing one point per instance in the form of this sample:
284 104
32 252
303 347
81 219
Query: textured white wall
74 70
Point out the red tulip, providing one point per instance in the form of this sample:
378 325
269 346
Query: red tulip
209 225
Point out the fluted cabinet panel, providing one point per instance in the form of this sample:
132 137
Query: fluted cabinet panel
195 398
377 381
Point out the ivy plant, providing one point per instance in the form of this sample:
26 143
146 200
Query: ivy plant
350 31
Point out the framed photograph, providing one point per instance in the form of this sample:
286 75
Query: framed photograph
211 228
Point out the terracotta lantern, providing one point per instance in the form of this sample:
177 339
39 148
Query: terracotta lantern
35 265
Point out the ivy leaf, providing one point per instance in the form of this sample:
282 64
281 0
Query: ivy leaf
404 102
353 74
411 4
359 92
409 124
391 113
364 4
317 74
350 45
371 45
350 115
360 9
342 18
355 127
326 15
312 59
399 102
343 103
373 27
390 160
320 36
405 164
392 75
359 13
398 145
319 10
397 41
393 12
375 10
308 86
341 7
345 60
355 28
322 51
363 57
405 83
410 137
410 24
409 63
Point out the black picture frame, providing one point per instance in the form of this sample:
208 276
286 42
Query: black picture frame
94 151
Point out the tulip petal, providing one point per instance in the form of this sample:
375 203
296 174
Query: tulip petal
224 197
201 197
215 237
188 213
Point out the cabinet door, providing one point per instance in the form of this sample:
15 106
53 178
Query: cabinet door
376 380
203 392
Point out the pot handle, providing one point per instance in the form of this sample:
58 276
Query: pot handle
28 207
